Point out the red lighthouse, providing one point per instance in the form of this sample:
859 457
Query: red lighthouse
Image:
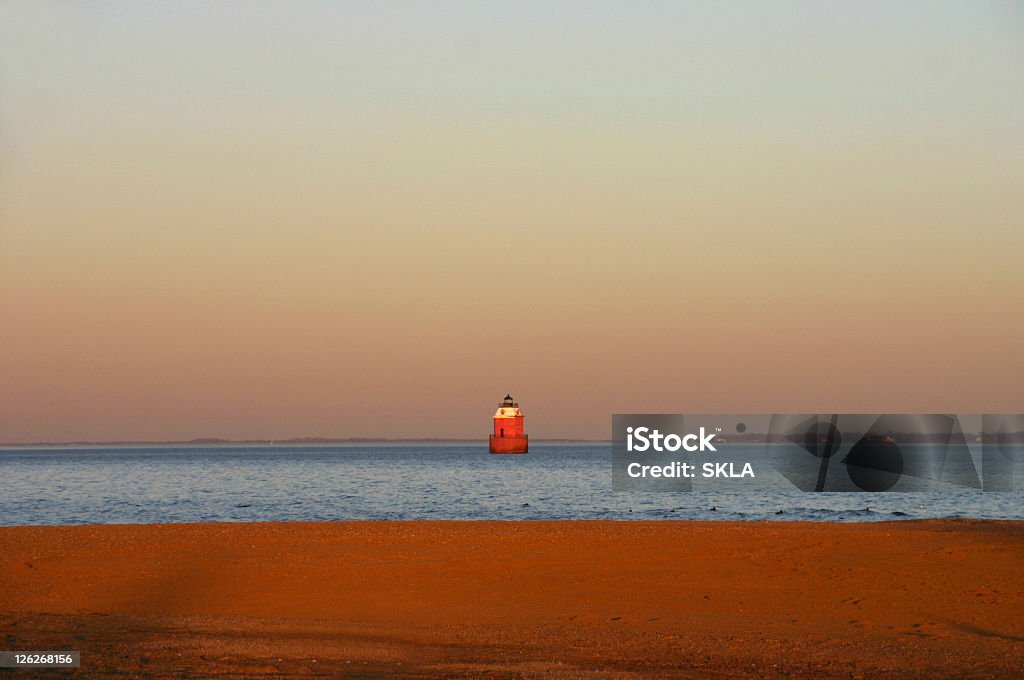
508 434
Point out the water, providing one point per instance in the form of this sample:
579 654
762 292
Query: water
235 483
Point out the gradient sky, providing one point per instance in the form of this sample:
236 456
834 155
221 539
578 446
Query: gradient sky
266 220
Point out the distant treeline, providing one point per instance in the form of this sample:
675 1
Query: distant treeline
735 438
294 440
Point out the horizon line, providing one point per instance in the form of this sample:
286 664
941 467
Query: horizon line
290 440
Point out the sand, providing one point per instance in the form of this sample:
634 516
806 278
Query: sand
521 599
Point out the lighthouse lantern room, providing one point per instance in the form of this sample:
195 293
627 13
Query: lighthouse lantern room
508 434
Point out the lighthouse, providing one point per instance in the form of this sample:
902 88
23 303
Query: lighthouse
508 434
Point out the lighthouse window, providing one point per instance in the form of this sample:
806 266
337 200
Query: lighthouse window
502 432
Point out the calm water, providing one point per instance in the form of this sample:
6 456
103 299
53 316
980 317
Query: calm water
155 484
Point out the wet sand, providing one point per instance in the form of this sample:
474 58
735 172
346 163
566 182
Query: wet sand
521 599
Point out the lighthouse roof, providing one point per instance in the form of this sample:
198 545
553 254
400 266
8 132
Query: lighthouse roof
508 408
508 412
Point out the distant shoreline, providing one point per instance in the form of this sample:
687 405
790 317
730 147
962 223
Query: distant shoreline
747 438
297 440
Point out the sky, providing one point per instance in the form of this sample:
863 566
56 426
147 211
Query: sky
271 220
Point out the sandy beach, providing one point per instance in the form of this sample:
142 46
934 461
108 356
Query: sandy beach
521 599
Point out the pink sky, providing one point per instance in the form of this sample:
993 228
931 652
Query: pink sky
349 222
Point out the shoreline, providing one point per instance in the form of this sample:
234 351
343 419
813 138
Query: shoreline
418 598
309 441
760 521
